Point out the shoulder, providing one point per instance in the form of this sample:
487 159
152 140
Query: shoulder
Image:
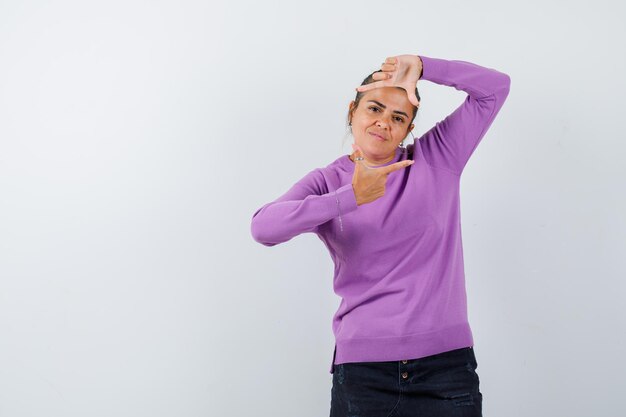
331 176
411 149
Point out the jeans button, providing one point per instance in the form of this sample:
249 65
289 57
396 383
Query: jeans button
404 361
405 375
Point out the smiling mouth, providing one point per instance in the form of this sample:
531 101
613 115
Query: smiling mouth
378 137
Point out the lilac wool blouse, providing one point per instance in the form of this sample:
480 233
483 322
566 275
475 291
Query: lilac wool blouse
399 259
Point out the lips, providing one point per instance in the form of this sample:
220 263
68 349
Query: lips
379 137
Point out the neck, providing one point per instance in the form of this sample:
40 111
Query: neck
373 162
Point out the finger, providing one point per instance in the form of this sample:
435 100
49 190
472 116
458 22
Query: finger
388 67
391 60
354 152
398 166
371 86
357 151
382 76
357 154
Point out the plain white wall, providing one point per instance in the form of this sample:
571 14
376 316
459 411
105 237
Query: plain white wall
137 138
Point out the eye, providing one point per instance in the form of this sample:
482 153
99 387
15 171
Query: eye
397 118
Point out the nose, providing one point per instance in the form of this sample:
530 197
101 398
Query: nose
382 123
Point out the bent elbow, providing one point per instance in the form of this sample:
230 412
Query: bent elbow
505 86
260 230
259 234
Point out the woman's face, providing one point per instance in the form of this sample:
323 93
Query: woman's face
381 122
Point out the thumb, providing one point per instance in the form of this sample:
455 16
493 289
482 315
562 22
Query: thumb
413 97
398 165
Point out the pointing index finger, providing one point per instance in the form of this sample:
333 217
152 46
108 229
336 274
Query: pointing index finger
398 165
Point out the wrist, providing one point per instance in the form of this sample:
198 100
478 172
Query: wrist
420 67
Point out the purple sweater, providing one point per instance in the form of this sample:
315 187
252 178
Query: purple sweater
399 259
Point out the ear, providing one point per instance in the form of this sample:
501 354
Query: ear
351 109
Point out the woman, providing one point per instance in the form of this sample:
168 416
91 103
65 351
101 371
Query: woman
390 218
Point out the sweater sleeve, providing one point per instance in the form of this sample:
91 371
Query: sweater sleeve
451 142
303 208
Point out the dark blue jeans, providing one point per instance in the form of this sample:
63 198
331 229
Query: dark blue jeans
440 385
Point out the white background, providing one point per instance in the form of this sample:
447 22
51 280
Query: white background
138 138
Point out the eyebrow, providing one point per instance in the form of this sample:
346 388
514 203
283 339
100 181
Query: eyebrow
384 107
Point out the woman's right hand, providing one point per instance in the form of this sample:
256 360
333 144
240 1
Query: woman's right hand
369 183
398 71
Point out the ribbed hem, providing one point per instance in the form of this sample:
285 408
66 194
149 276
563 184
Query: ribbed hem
381 349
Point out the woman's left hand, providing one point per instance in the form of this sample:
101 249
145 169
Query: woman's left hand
398 71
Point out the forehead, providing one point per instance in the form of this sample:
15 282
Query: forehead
392 97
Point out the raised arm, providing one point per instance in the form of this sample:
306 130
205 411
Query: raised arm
303 208
451 142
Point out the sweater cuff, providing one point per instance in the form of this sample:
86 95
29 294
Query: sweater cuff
433 69
346 199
